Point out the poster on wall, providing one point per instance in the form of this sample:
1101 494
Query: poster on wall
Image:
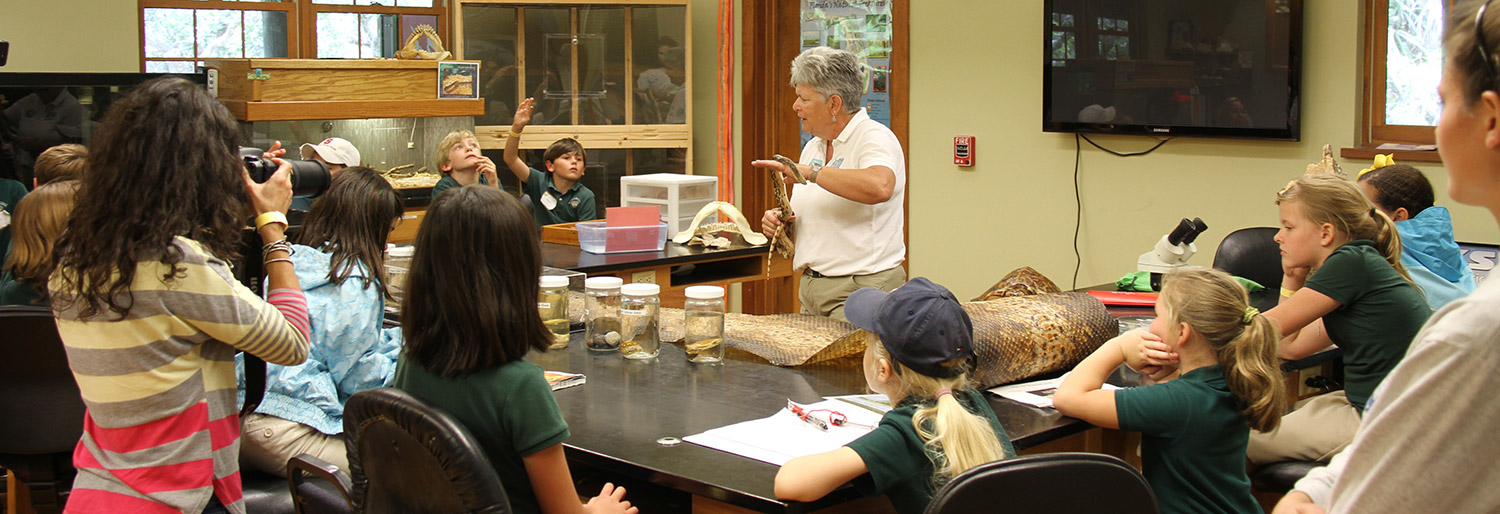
864 28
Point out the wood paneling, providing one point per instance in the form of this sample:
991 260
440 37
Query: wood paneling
593 137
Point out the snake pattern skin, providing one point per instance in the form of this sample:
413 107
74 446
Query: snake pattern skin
1015 337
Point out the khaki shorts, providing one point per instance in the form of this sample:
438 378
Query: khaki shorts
1317 429
824 296
268 442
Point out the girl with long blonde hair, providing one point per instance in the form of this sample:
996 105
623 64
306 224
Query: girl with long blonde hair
1195 423
940 426
1426 443
1343 284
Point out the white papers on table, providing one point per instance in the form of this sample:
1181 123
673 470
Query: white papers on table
783 436
1037 392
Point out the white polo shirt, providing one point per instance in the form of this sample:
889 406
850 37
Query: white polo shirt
836 236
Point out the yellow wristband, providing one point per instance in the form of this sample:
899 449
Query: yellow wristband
267 218
515 134
1287 292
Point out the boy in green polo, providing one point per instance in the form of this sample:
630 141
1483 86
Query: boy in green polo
556 195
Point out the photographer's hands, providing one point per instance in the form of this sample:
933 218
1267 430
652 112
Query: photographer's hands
276 193
274 196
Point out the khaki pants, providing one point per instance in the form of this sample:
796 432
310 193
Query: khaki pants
268 442
1317 429
824 296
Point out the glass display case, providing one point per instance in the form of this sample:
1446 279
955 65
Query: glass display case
409 144
611 75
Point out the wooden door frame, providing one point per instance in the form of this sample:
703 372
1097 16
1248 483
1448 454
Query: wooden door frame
768 126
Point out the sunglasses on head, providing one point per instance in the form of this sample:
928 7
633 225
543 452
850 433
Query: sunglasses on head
1483 47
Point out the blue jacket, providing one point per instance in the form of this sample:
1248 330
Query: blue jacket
1432 257
350 351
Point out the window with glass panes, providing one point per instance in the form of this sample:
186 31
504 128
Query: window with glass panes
1404 53
177 34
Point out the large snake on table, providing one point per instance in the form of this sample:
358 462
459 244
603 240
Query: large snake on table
1015 337
781 239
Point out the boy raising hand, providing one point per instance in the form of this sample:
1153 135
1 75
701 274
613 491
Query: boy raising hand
556 195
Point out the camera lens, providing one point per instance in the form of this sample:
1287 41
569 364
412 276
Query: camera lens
309 178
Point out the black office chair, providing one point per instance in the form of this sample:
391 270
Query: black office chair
1279 477
407 456
1051 483
1252 253
328 495
41 412
265 493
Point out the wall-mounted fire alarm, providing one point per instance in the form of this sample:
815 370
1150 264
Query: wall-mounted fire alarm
963 150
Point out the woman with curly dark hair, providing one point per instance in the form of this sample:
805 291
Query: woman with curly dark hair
149 311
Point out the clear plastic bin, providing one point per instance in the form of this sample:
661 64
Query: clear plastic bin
594 237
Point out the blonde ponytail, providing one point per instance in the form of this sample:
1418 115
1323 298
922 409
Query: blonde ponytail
1244 340
956 439
1253 372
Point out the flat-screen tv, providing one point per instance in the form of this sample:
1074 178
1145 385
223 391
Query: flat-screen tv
42 110
1210 68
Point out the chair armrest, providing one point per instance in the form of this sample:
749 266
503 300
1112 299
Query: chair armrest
335 479
1313 360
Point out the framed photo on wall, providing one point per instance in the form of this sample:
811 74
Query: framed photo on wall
458 80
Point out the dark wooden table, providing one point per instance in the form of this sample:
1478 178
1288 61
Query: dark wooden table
626 406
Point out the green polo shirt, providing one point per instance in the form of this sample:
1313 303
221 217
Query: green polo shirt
509 409
1378 315
1193 441
11 192
575 204
447 182
897 458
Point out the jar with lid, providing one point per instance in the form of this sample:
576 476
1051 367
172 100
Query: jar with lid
638 321
552 304
602 313
703 334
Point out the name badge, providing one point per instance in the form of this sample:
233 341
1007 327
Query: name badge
549 201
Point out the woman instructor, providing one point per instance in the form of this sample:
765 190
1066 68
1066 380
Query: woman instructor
849 216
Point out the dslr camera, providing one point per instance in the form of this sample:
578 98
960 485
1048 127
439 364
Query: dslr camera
309 178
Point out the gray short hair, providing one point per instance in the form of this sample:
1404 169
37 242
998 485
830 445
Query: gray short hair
831 72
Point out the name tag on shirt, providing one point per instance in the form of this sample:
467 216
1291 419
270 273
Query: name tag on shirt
549 201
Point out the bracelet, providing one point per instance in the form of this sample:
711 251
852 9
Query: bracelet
513 133
273 246
279 259
813 176
267 218
1287 292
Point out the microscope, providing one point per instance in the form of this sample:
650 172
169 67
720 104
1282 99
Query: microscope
1172 251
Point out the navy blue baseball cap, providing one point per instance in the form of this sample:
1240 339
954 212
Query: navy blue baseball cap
921 325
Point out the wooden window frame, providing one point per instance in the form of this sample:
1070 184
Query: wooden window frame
627 136
1373 129
301 21
308 13
288 7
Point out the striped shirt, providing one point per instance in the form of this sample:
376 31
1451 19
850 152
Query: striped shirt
161 433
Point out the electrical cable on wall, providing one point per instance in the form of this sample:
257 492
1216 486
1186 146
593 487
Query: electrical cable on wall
1078 198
